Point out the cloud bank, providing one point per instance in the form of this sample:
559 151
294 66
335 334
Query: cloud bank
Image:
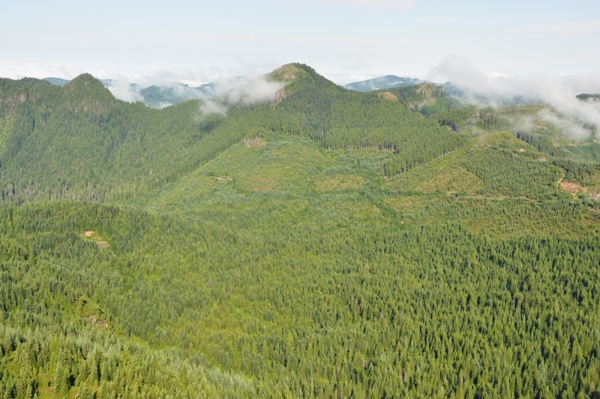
122 89
242 91
567 113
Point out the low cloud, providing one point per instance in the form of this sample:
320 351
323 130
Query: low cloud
122 89
567 113
572 126
244 92
212 107
254 91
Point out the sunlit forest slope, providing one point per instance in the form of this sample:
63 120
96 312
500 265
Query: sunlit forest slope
324 244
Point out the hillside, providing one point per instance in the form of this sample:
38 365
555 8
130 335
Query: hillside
322 243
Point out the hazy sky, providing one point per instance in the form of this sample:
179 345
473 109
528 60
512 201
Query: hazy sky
346 40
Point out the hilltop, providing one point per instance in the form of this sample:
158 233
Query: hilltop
293 238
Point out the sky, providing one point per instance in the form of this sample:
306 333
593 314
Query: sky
346 40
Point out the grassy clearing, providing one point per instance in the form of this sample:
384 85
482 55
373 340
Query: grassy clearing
274 165
443 175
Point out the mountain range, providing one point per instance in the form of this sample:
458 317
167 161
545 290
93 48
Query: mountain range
160 96
383 82
293 238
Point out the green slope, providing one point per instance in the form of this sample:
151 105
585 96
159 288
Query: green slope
78 142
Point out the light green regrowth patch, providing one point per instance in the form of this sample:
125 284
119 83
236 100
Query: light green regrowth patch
497 138
339 182
272 164
452 181
491 165
443 175
281 166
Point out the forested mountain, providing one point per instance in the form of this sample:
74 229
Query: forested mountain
160 96
326 243
585 96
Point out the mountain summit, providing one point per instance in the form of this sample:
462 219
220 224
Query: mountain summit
87 93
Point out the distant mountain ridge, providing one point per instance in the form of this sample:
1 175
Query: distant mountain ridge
393 81
586 96
471 97
57 81
383 82
160 96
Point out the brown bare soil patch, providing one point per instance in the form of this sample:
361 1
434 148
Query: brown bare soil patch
574 189
386 95
100 323
571 187
91 235
224 179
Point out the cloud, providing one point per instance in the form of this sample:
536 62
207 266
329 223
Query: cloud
572 126
563 29
124 90
371 3
567 113
241 91
212 107
253 91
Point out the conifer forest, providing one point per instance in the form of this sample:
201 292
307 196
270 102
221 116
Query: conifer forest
324 244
